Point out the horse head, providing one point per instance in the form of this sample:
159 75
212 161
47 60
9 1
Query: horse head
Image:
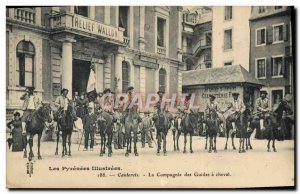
45 112
71 111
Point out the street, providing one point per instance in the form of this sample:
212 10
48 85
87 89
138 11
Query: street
201 169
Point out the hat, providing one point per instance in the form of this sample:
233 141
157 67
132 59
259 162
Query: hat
264 92
130 88
106 90
235 94
64 89
212 96
288 97
16 114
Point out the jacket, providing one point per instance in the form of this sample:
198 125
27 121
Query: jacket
89 122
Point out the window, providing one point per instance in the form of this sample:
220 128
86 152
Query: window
278 7
227 63
277 67
278 33
228 39
261 37
161 23
81 10
261 68
207 56
25 64
208 38
261 9
162 80
123 19
125 76
228 13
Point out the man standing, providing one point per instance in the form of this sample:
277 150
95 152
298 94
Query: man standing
146 126
237 107
29 105
262 107
89 126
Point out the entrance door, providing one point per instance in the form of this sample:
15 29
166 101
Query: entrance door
81 72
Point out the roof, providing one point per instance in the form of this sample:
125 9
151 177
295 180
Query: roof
221 75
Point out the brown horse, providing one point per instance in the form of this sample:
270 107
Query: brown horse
35 125
189 124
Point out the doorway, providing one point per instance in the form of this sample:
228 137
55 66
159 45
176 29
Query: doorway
81 72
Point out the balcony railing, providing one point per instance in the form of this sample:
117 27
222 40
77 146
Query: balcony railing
202 44
161 50
25 15
126 41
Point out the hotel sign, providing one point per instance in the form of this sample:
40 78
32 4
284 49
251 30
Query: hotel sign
94 27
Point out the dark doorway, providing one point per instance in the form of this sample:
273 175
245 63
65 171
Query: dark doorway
81 72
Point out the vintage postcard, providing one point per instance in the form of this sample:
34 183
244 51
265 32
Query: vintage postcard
161 97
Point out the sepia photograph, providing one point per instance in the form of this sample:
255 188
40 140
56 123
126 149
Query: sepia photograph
150 97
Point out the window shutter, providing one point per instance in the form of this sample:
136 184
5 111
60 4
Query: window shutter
285 67
270 35
284 32
271 65
258 37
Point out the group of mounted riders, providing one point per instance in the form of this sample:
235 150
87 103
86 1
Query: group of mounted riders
113 121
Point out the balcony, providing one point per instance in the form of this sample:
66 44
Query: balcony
161 50
126 41
25 15
201 45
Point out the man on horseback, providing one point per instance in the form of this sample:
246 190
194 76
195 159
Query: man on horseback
262 107
30 104
237 107
211 110
61 102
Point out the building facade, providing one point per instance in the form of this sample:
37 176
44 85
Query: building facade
231 38
52 48
271 49
197 38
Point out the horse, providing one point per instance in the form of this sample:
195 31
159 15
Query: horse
131 122
176 131
65 124
35 125
212 130
162 125
189 124
275 123
105 126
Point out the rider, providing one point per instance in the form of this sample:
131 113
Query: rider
211 108
262 107
108 101
237 107
29 105
62 101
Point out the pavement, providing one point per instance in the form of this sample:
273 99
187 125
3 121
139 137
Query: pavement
224 169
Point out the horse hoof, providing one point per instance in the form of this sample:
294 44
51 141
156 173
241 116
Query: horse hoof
234 148
56 153
136 154
101 154
240 151
69 154
25 156
246 148
158 154
165 154
39 157
29 158
192 151
126 155
274 150
225 148
215 151
184 151
209 151
109 155
251 148
62 155
268 150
